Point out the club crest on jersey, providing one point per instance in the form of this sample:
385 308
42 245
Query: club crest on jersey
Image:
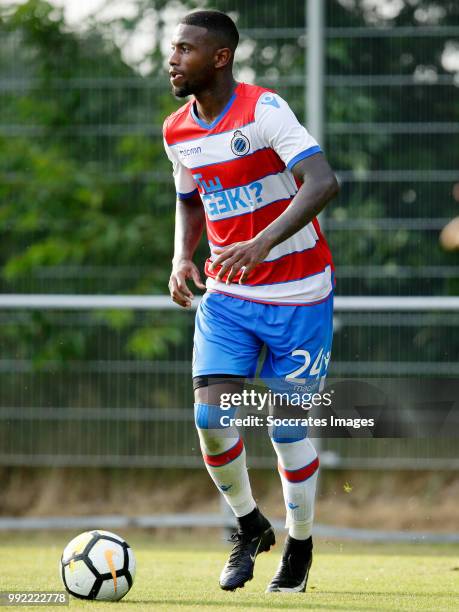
240 144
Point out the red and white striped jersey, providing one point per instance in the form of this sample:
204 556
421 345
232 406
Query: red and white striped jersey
241 166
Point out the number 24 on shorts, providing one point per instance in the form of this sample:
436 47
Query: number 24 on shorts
319 366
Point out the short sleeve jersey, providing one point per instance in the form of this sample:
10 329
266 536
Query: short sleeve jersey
241 166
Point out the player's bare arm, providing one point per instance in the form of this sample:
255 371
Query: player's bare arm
318 188
189 225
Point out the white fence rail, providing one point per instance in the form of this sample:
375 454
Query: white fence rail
164 302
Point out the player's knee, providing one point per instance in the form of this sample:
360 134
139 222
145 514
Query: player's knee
213 423
208 416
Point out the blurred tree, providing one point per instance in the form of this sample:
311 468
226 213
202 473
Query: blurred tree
60 201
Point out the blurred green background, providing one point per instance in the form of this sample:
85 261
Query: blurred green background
87 206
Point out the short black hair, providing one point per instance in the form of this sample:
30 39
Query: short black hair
217 23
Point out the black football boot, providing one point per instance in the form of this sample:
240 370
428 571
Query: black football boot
254 536
292 573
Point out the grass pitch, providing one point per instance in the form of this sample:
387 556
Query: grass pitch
179 571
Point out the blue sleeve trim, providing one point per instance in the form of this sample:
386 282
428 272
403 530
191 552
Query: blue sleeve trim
303 155
187 196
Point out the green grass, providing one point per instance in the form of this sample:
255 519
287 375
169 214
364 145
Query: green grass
178 571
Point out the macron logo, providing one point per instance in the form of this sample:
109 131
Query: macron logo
188 152
270 100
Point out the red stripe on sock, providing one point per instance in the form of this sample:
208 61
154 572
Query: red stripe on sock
226 457
302 474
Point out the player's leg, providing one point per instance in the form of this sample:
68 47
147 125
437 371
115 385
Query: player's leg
225 459
224 344
298 465
297 362
222 446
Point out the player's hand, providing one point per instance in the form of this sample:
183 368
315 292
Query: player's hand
240 256
181 271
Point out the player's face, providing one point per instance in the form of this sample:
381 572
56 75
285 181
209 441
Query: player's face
191 62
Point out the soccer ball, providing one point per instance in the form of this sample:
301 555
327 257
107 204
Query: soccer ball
98 565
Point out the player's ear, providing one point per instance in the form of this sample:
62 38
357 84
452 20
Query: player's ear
223 57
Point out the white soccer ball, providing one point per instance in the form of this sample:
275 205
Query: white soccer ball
98 565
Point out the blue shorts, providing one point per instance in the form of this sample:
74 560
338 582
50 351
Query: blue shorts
230 334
